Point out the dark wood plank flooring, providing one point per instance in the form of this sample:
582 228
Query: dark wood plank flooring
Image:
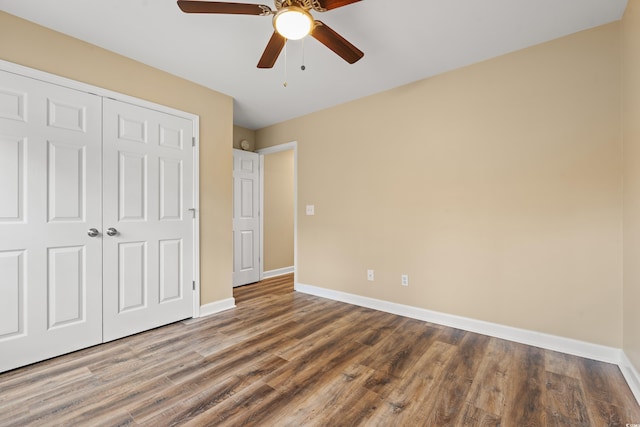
283 358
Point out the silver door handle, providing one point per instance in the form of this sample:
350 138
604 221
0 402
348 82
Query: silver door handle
112 231
93 232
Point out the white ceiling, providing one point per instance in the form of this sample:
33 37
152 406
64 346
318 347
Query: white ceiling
403 41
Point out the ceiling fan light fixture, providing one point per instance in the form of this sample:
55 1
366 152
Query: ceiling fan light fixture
293 22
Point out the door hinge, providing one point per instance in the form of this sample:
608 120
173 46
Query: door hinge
193 141
193 212
194 285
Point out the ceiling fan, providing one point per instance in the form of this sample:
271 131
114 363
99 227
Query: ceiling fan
291 21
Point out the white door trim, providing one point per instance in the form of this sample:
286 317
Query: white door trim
196 213
95 90
293 145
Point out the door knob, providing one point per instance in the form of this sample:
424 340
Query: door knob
112 231
93 232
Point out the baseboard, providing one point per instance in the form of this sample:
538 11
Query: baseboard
537 339
631 375
217 307
277 272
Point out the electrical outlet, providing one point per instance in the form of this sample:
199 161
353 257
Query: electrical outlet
370 275
405 280
311 210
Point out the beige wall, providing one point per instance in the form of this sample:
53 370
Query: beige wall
278 210
631 137
34 46
240 133
496 188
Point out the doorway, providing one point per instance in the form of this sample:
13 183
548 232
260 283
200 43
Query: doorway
264 214
278 201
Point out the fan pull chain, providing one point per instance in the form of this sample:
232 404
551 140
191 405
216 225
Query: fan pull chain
303 67
285 64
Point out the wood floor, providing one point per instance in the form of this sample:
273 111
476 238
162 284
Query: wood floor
283 358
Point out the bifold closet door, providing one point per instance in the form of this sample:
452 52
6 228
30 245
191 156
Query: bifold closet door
148 242
50 197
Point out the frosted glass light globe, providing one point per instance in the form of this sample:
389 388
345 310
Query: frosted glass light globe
293 23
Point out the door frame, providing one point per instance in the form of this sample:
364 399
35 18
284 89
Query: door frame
293 145
106 93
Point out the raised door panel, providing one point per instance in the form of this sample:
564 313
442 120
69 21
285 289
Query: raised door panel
171 268
66 286
12 102
171 183
132 128
12 177
65 115
12 294
132 186
132 280
247 244
247 208
67 178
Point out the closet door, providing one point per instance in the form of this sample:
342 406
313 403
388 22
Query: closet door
50 196
148 242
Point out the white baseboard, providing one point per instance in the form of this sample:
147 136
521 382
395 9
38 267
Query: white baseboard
277 272
631 375
217 307
537 339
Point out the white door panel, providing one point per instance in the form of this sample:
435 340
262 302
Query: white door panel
12 175
12 293
148 181
246 220
50 195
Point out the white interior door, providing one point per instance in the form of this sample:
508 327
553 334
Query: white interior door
148 194
246 220
50 268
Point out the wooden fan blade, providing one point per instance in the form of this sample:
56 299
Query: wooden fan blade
190 6
272 51
336 43
334 4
